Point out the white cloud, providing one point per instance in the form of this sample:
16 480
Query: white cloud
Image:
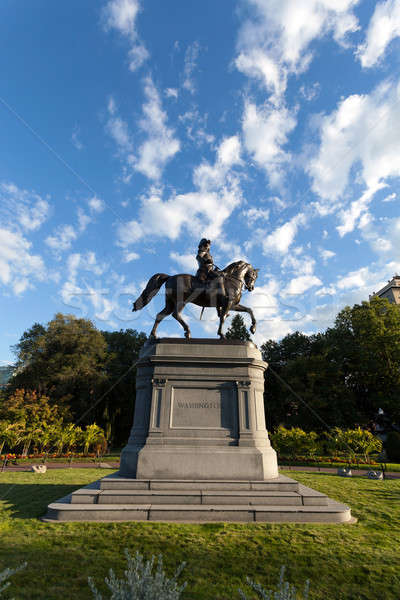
297 262
130 256
362 133
280 240
359 278
326 254
265 131
171 93
203 211
229 151
75 138
255 63
161 145
83 220
18 267
383 27
117 128
358 211
255 214
186 261
274 41
310 92
96 204
121 15
196 125
62 238
390 198
191 56
298 285
27 208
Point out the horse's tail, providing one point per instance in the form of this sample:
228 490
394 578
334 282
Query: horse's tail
150 290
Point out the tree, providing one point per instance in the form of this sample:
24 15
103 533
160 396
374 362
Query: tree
238 330
366 341
65 360
343 376
115 413
94 436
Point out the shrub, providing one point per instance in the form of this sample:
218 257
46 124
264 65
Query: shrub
392 445
141 583
285 590
6 574
294 441
353 441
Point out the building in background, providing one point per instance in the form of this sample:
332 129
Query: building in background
391 290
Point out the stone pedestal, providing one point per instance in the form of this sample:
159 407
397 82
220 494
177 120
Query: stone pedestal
199 450
199 413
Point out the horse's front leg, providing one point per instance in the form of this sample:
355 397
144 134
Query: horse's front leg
241 308
223 313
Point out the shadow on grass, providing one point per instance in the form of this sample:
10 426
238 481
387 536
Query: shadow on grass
29 501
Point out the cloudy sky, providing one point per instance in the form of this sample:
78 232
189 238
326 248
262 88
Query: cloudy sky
131 129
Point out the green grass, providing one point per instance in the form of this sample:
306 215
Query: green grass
356 562
390 467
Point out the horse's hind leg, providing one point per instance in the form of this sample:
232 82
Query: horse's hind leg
177 315
167 310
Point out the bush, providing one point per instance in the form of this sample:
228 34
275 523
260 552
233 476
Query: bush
353 441
295 441
285 590
141 583
6 574
392 446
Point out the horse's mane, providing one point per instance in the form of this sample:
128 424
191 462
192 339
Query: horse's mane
234 266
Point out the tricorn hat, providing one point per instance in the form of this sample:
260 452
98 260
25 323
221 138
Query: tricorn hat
203 242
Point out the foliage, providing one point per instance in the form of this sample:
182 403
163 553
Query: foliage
141 583
392 445
343 376
29 419
238 330
285 591
353 442
64 360
115 413
94 437
32 420
294 441
76 365
6 574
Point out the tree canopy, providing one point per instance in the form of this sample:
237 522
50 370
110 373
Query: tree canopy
344 375
238 330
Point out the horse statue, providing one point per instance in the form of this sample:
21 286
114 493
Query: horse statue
223 293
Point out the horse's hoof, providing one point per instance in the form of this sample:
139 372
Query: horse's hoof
222 337
253 329
187 335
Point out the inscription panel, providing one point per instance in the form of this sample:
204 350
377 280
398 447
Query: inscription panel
205 408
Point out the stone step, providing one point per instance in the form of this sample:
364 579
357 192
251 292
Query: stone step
191 497
91 495
332 512
281 484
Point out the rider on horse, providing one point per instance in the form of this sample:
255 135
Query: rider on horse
207 270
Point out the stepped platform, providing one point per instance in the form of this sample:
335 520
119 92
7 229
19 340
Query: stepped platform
278 500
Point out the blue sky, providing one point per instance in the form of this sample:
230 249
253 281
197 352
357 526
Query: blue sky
132 129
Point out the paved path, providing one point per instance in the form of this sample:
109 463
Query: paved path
115 465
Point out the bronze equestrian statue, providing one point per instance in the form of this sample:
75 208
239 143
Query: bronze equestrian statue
211 287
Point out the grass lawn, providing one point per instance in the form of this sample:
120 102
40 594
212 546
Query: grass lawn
354 562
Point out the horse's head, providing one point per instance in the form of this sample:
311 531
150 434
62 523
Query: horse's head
250 278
